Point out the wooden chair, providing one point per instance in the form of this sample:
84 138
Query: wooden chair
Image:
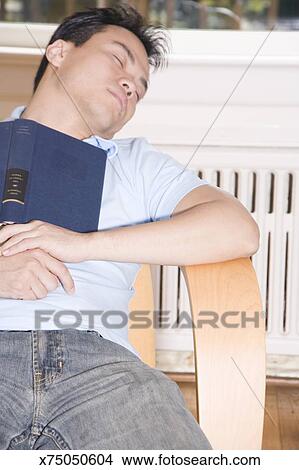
229 361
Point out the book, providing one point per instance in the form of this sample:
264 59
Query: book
50 176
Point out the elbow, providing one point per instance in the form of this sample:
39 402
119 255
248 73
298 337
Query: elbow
253 239
248 233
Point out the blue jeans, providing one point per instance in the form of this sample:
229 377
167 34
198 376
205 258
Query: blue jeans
73 389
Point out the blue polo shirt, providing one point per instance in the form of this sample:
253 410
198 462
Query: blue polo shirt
141 185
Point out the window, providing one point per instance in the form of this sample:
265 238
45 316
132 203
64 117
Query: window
177 14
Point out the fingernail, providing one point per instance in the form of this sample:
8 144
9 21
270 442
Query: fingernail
72 290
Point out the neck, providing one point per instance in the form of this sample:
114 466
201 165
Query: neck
54 108
30 112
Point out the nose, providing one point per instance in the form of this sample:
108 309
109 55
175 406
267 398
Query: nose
129 87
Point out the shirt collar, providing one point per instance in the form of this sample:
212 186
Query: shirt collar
108 145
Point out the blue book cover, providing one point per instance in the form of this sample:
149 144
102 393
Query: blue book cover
51 176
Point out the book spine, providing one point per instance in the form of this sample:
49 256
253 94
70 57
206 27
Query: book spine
15 196
5 152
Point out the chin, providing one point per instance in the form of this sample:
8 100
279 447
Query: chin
106 134
109 136
103 129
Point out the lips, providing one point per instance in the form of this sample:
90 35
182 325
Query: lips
121 99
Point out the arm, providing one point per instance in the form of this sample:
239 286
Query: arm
208 225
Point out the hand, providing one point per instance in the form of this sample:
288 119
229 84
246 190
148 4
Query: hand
61 243
31 275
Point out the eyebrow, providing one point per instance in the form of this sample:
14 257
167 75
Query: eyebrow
132 59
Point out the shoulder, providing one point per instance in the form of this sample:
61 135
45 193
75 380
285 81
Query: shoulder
142 153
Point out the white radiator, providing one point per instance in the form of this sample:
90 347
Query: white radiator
272 197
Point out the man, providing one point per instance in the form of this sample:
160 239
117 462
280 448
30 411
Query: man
85 387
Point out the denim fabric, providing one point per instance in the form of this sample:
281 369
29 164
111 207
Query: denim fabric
73 389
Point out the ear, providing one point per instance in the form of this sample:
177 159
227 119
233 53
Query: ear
57 51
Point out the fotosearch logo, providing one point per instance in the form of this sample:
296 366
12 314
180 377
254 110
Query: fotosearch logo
142 319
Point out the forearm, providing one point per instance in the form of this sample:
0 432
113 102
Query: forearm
210 232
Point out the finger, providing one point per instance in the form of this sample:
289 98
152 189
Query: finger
39 289
58 269
12 229
29 296
18 238
27 244
49 280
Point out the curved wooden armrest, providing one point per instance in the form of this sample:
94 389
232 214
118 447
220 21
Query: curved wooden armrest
140 334
229 356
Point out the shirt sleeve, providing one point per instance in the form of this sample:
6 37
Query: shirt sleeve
162 181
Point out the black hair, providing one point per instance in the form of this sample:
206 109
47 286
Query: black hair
82 25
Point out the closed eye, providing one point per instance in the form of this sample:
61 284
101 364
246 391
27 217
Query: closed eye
118 59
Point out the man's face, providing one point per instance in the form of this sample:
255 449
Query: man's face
106 77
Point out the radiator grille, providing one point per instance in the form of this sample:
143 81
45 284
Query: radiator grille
272 198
